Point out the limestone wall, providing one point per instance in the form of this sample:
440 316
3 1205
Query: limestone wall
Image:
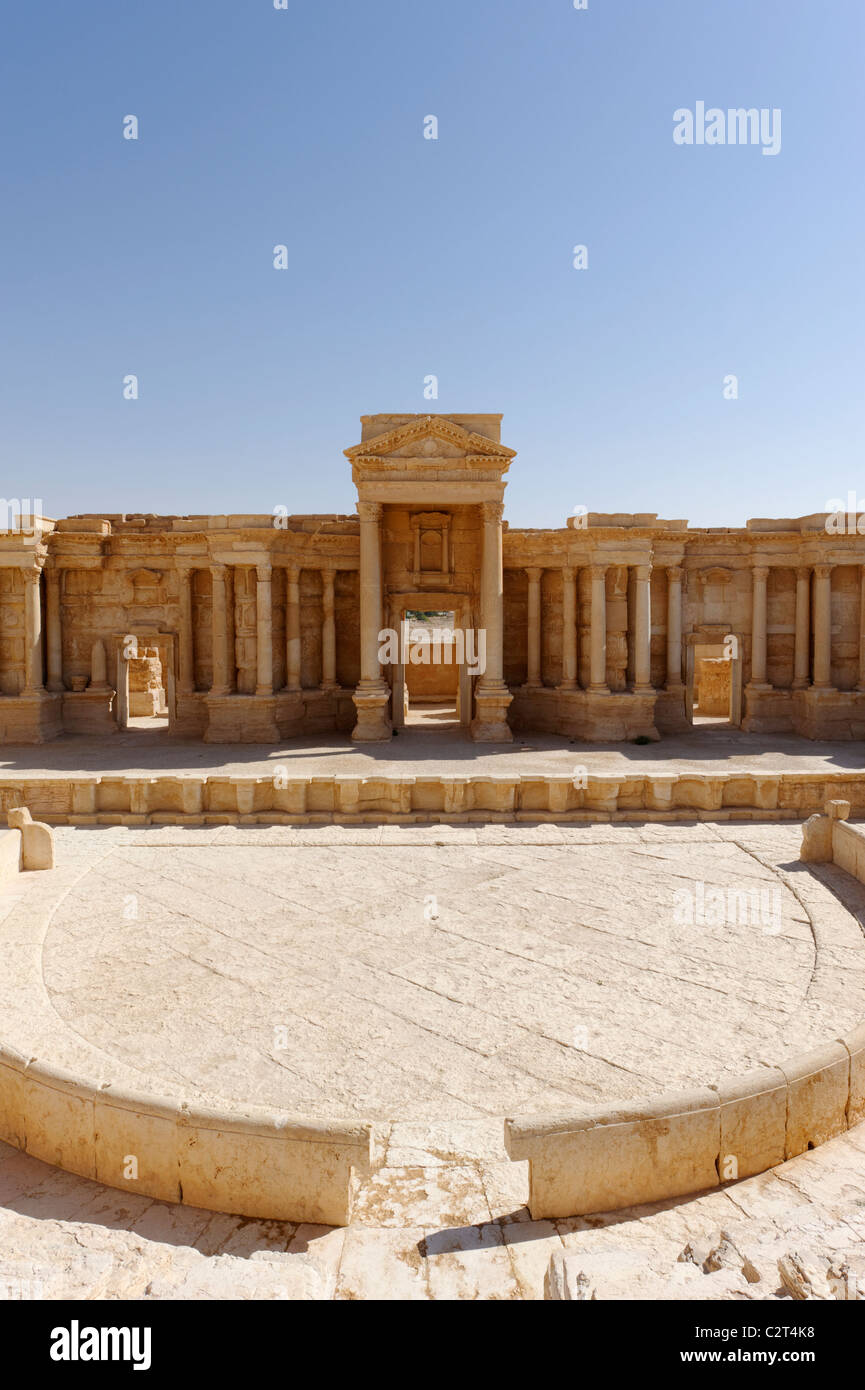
802 663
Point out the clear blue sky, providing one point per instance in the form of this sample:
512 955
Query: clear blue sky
410 256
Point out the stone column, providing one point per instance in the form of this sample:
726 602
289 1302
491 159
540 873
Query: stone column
328 632
823 627
219 635
264 630
533 614
32 633
569 629
186 652
292 628
492 696
760 575
598 634
802 654
674 627
643 630
53 634
372 694
861 685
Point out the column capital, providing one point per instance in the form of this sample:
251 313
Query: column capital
534 572
803 572
264 573
370 511
675 574
569 573
492 511
760 573
643 573
32 576
823 571
598 571
217 567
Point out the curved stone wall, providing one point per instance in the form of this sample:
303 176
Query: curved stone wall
256 1163
602 1158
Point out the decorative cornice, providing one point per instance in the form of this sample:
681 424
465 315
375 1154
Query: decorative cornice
429 427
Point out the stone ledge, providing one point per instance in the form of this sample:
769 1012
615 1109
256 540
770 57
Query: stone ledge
254 1163
130 799
603 1159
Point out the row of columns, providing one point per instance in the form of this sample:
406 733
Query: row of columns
642 629
820 678
491 617
221 682
34 680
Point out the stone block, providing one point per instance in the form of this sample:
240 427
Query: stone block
604 1159
818 1089
753 1122
37 840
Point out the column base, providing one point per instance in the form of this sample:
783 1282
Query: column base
241 719
490 724
90 712
373 724
31 717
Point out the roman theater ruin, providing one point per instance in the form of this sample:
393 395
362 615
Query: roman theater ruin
403 870
258 629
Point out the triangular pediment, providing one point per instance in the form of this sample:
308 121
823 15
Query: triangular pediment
431 437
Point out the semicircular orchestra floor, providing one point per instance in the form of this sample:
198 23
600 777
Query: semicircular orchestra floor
443 974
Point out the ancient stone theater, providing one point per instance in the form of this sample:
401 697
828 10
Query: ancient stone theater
257 629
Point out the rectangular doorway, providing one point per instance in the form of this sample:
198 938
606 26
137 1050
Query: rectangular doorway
145 682
427 684
714 683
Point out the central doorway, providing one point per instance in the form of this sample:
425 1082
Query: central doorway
431 688
713 681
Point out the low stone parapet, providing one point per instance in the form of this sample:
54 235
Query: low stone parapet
11 857
251 1162
602 1158
190 798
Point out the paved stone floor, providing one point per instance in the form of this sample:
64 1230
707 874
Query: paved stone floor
434 1233
707 748
445 1217
447 976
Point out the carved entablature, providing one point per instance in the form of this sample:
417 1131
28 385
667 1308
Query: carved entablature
432 549
401 456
